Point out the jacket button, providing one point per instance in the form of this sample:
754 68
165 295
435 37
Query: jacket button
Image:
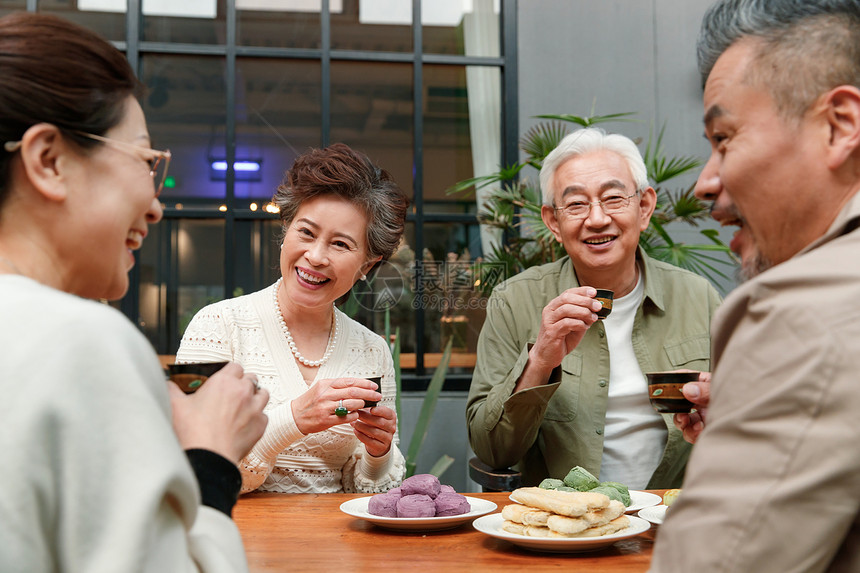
602 383
599 431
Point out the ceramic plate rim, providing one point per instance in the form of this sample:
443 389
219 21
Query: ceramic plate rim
357 507
491 525
656 514
645 499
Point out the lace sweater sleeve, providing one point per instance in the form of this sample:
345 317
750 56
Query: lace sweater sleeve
208 337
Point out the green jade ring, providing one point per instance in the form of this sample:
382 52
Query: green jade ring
341 410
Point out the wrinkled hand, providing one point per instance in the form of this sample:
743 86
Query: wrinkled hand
313 411
224 416
699 393
563 324
375 429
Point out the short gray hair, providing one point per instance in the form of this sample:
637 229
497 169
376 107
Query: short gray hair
806 47
588 140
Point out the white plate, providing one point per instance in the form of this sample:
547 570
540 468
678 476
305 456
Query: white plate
641 500
492 526
638 500
655 514
358 508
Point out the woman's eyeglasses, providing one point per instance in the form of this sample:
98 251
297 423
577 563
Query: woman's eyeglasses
158 160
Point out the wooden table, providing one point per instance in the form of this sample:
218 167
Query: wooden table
308 532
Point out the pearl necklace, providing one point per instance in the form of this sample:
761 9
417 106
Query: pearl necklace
332 340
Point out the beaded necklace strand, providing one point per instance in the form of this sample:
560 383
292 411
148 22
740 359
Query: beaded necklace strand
332 339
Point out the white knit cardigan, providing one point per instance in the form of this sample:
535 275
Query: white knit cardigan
247 330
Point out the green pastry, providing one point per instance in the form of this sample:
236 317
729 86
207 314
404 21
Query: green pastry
579 479
551 483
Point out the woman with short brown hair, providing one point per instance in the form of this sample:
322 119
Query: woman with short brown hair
341 216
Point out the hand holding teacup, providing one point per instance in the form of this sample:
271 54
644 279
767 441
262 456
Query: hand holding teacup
605 297
375 428
564 321
225 415
353 401
376 424
378 381
332 401
685 393
699 393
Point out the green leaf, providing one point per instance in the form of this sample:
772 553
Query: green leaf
588 121
395 354
441 465
662 168
431 397
542 138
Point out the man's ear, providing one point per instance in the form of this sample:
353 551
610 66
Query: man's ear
547 213
842 113
42 150
647 204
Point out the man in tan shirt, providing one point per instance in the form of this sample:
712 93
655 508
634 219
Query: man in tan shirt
773 483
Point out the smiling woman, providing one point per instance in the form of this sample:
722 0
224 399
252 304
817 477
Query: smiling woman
78 187
341 216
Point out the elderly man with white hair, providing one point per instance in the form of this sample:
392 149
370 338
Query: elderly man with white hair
554 387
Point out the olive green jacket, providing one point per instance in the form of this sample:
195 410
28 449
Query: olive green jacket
547 430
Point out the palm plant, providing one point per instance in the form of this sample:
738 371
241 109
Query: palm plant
514 206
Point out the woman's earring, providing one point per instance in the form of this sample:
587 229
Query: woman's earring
363 277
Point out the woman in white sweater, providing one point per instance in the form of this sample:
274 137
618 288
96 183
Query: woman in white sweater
94 476
341 216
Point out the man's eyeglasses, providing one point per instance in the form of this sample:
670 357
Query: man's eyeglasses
610 204
158 160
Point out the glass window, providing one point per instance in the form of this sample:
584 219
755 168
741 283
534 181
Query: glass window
372 25
452 301
185 109
278 24
187 22
105 18
9 6
462 133
388 290
371 110
461 27
199 254
181 271
257 254
278 117
153 270
277 113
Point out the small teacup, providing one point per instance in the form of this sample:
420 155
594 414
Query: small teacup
378 381
605 297
664 391
190 377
